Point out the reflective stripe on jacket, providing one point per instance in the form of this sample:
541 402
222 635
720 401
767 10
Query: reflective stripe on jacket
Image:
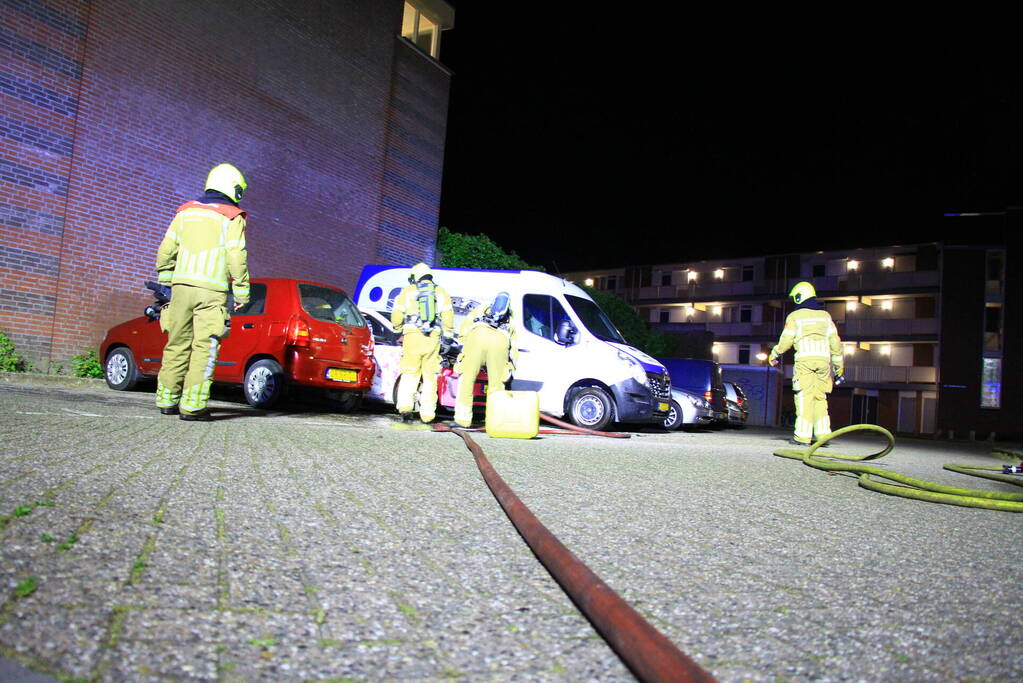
205 247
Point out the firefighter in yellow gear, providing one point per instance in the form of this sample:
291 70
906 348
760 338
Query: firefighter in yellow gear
202 257
422 313
488 339
812 333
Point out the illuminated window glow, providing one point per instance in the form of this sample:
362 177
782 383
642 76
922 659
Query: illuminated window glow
421 30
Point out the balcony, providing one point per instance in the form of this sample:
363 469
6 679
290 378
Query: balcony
886 328
885 374
854 282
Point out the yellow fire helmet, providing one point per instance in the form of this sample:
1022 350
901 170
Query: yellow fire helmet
802 291
227 180
419 271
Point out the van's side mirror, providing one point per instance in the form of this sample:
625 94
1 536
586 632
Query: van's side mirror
566 333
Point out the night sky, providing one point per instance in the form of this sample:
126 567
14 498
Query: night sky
651 140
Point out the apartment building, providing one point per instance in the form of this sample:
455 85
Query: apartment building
922 327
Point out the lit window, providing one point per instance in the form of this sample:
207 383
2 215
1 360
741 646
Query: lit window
888 262
853 264
719 274
886 305
692 276
850 305
886 349
423 20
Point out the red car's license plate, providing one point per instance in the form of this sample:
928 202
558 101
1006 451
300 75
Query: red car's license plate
342 375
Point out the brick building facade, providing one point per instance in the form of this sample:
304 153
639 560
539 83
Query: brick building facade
113 111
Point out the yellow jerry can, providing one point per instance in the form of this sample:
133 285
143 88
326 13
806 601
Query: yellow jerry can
513 414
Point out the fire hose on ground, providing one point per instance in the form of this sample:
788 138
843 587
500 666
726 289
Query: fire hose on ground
906 486
640 646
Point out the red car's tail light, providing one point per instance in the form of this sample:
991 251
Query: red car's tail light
298 331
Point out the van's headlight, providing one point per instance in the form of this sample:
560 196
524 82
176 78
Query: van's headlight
635 368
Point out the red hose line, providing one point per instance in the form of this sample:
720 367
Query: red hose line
641 647
583 430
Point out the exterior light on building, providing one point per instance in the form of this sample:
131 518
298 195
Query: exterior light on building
888 262
848 349
719 274
716 310
588 282
853 264
851 305
761 356
886 305
688 311
692 276
715 348
886 349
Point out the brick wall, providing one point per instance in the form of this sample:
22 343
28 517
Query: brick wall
113 111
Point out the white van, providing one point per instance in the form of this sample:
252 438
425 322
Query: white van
569 351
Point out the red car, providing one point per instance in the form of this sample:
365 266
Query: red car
292 332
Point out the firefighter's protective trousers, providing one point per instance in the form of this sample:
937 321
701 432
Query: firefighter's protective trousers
420 362
811 384
195 322
483 346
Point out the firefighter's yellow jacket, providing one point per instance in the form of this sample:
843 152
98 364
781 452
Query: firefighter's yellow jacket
205 247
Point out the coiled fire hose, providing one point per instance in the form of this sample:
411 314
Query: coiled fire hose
905 486
641 647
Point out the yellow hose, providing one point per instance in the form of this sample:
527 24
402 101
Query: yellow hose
905 486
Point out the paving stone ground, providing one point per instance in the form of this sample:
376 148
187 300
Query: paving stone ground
301 544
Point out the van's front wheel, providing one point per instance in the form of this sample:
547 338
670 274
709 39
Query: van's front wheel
591 408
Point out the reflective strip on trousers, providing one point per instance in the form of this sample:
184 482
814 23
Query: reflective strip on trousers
165 398
196 397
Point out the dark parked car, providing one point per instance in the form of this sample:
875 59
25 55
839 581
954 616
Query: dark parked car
700 377
291 333
738 405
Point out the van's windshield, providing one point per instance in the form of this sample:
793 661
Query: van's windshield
595 320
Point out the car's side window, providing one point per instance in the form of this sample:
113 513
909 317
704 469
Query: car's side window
257 301
541 314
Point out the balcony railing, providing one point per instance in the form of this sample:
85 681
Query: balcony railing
875 328
880 328
848 283
886 374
